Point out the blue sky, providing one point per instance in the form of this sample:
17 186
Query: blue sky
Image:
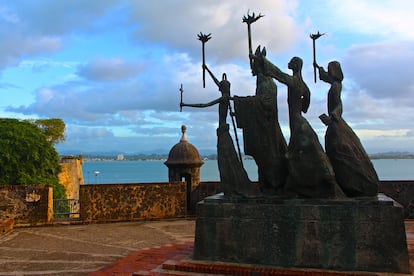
112 69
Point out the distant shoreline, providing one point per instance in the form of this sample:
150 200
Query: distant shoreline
210 156
111 171
164 158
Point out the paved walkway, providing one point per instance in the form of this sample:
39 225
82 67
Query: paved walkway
134 248
175 259
81 249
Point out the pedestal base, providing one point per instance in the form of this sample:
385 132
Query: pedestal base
351 235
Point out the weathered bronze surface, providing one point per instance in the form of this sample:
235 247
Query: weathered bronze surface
310 173
234 179
353 169
263 139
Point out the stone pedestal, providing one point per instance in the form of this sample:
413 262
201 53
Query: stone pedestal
347 235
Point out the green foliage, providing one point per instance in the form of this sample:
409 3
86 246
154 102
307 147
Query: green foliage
27 157
53 128
61 208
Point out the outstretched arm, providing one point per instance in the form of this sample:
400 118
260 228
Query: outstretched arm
201 105
212 76
273 71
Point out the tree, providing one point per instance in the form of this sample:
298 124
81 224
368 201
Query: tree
27 157
53 128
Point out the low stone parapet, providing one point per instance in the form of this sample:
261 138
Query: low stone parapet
131 202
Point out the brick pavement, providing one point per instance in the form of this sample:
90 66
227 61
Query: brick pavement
147 261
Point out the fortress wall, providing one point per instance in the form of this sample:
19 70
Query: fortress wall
33 205
130 202
71 176
27 205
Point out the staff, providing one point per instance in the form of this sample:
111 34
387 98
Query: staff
235 134
314 37
204 38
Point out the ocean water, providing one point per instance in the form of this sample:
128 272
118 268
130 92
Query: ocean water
105 172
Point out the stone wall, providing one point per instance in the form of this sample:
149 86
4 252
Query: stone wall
26 205
33 205
71 175
208 188
402 192
130 202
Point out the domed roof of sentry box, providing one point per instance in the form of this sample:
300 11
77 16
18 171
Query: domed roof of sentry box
183 153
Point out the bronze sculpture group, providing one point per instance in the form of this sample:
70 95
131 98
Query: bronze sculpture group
301 168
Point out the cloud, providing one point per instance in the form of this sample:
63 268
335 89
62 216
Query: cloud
389 18
50 17
81 139
381 69
109 69
368 17
7 15
122 92
16 45
75 103
381 86
105 102
222 19
33 28
143 90
42 65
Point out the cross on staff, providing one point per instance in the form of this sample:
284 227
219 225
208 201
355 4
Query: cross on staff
249 20
314 37
204 38
181 97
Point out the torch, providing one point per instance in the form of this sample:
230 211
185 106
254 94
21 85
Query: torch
204 38
314 37
250 19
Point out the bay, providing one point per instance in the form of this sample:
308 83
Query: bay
106 172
